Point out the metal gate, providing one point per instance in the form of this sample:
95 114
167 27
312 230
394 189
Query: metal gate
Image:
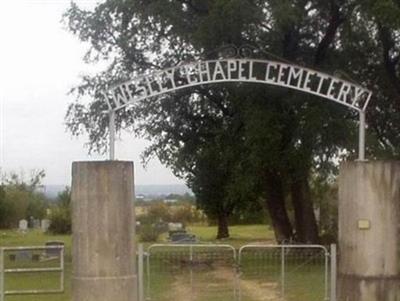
19 267
198 272
259 272
287 272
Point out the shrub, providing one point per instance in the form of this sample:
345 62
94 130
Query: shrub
60 221
159 212
60 217
149 233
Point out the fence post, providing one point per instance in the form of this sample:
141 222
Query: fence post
148 274
333 272
62 266
283 271
191 273
239 273
236 278
140 273
2 274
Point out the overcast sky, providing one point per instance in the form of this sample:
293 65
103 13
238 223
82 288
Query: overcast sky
39 62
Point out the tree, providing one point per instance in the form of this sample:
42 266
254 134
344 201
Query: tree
6 209
21 198
209 181
238 16
283 137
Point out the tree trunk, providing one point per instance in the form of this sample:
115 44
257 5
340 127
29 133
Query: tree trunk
305 221
223 230
275 202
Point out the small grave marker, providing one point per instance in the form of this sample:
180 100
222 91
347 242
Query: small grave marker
36 224
175 226
23 255
23 225
45 224
53 252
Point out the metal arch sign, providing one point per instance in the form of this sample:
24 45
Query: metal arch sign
238 70
234 70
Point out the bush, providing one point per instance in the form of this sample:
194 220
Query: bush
184 214
60 221
60 217
159 212
149 233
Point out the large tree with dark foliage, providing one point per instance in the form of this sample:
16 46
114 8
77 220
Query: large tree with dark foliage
237 142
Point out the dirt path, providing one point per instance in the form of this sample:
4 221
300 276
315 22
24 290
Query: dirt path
260 291
180 290
254 290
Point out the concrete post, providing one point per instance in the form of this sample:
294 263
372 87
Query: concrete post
103 231
369 217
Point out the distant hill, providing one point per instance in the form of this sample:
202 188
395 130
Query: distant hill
158 190
51 191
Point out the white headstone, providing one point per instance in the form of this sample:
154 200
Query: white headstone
175 226
45 224
23 225
36 224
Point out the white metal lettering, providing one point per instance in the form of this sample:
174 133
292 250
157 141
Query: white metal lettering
238 70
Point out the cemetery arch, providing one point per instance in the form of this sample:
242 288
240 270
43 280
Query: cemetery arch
239 70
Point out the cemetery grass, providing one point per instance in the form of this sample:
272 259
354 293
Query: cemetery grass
240 235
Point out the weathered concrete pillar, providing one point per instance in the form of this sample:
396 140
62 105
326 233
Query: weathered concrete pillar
103 231
369 217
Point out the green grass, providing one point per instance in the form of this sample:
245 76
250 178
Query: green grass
239 235
170 279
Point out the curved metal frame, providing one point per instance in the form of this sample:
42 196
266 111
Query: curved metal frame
239 70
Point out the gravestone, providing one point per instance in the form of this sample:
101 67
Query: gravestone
44 225
36 224
183 237
53 252
23 255
30 222
175 226
23 225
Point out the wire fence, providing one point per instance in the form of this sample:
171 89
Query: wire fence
253 273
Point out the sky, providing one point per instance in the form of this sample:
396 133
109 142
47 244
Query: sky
39 63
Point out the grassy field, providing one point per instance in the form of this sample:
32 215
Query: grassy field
172 281
240 235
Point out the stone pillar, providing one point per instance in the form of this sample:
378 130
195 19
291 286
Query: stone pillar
103 257
369 217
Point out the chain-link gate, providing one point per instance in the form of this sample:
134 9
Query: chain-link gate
258 273
286 272
191 272
19 267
